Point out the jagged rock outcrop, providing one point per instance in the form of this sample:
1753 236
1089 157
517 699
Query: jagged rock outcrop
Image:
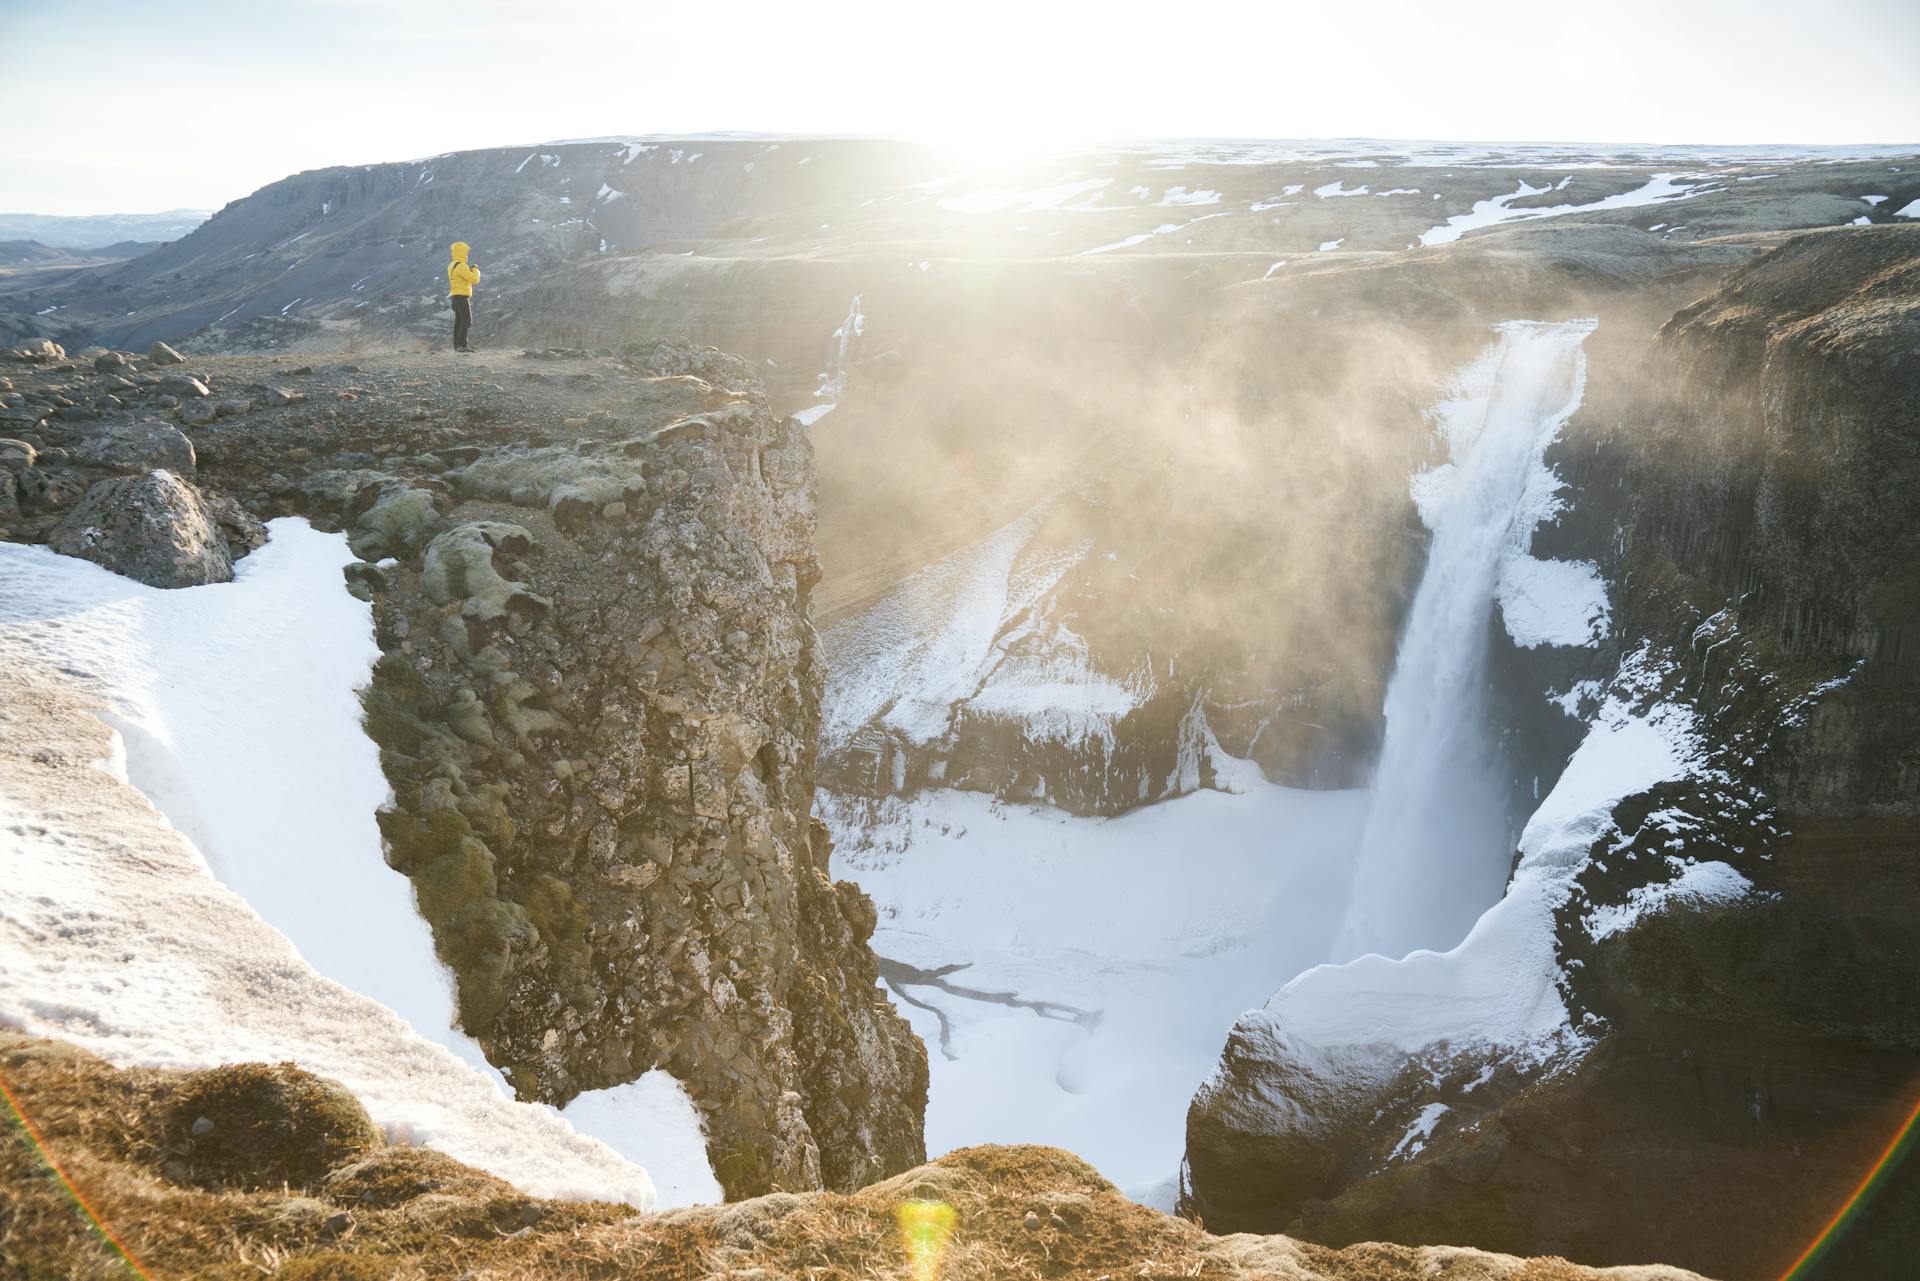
597 706
603 778
1736 950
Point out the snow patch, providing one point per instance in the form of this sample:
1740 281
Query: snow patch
1164 229
1418 1132
1182 196
653 1120
1696 885
189 675
1275 202
1659 189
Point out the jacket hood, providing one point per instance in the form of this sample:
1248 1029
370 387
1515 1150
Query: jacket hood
460 250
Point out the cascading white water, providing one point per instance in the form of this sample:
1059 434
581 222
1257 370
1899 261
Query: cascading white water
1435 851
833 379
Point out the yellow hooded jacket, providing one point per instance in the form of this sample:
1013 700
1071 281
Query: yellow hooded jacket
461 278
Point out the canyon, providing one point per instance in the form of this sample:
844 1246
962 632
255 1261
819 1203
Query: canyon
1362 690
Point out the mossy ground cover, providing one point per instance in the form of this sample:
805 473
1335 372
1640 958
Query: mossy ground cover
291 1181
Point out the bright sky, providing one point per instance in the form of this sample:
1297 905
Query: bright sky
131 106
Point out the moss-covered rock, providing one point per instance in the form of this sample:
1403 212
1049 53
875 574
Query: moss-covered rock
460 567
401 520
257 1125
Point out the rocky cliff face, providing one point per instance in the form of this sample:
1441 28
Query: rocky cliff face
1735 946
597 707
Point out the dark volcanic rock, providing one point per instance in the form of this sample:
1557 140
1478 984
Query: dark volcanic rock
134 447
1750 487
152 528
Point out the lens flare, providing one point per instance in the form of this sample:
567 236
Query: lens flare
1850 1209
39 1146
925 1228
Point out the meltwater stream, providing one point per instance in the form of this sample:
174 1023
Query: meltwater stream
1435 849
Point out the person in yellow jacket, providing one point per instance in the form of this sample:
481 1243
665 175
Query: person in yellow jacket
461 278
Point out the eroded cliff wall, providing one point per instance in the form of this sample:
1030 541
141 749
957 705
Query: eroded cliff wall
597 704
1733 947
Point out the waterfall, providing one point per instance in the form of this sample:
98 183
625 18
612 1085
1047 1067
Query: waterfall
1434 851
833 379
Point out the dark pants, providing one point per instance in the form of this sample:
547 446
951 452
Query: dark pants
462 320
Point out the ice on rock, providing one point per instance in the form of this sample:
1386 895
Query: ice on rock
1552 602
962 636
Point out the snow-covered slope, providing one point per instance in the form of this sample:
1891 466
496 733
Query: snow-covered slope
200 932
237 715
966 637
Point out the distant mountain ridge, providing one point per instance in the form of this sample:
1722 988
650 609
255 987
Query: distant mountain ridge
16 253
95 231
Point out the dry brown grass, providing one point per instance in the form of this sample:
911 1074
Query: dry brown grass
360 1212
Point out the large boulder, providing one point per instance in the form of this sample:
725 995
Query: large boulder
165 355
15 455
140 446
153 528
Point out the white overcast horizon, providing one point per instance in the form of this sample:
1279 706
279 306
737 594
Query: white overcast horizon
134 107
